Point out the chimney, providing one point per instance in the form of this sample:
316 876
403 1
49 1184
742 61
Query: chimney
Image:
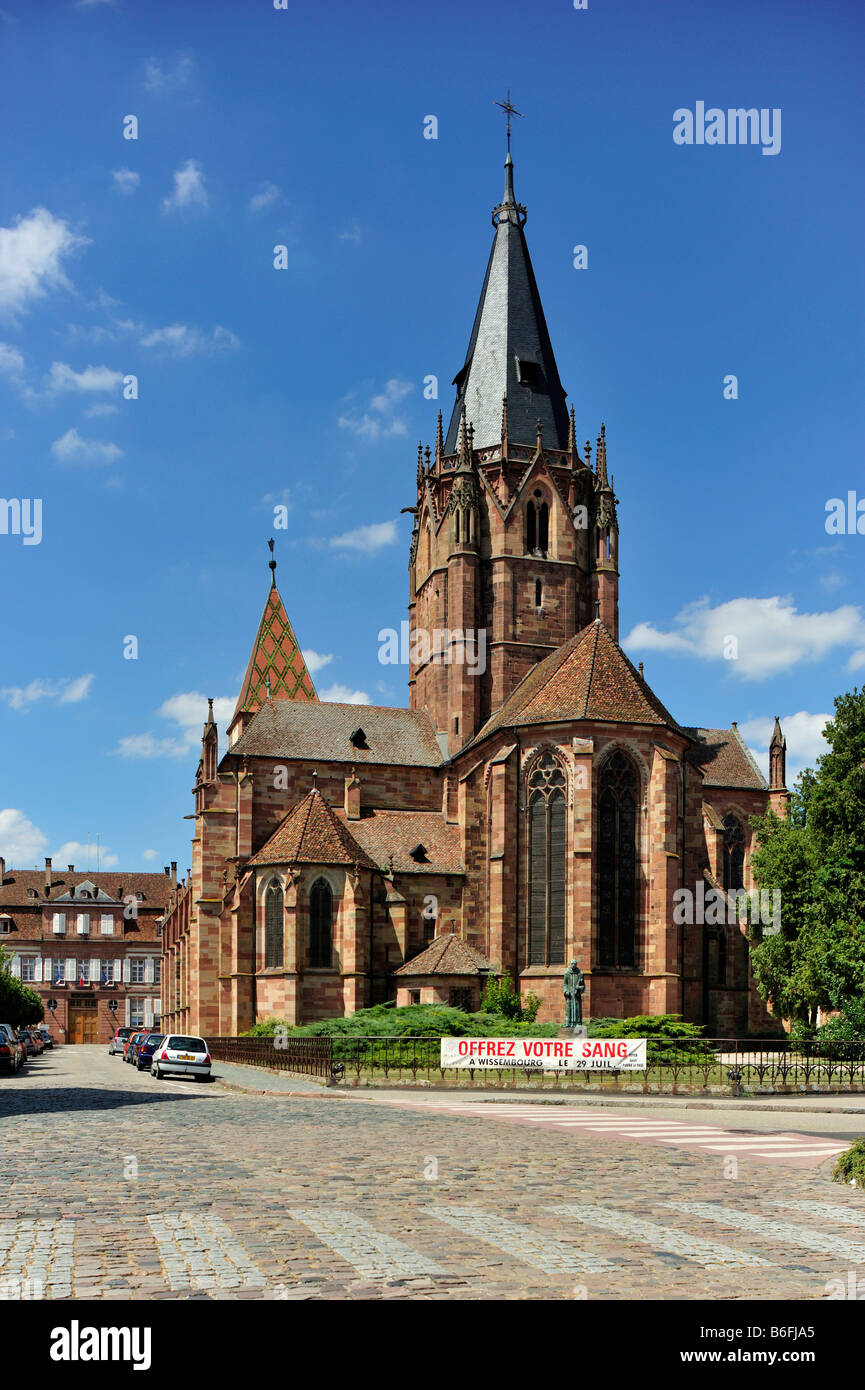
174 872
2 868
49 877
352 797
70 868
166 870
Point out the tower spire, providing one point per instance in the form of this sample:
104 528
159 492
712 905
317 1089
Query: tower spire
272 564
601 458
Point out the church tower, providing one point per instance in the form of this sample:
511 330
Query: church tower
515 542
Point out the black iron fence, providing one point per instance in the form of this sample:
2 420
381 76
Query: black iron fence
728 1065
304 1056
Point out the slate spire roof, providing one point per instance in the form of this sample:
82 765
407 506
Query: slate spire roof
312 834
276 670
510 330
588 677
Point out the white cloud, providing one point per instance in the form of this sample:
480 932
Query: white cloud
148 854
11 361
31 256
74 852
315 662
68 691
64 378
367 538
168 79
187 711
189 190
352 233
770 635
804 735
266 196
21 842
72 448
126 180
100 408
185 340
380 419
344 695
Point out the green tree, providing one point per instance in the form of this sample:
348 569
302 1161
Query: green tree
19 1005
816 858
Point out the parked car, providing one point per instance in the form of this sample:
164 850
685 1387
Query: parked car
184 1055
46 1037
143 1050
116 1044
13 1053
130 1043
33 1044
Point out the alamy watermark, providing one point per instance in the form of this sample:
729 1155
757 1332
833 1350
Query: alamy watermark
22 516
715 907
737 126
444 646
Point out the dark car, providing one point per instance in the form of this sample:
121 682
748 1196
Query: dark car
13 1053
142 1050
45 1035
32 1042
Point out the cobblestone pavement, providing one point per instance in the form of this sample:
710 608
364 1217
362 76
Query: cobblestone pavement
778 1146
129 1188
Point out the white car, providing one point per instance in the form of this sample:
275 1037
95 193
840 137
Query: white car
181 1054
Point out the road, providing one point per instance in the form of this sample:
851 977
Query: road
129 1188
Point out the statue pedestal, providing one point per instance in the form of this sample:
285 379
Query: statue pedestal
580 1031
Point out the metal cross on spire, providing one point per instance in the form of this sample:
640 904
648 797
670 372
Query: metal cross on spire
509 110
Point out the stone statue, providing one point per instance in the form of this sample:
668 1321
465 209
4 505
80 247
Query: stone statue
573 986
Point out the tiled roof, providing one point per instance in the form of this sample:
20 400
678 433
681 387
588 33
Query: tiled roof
276 666
396 833
446 955
321 730
117 884
588 677
311 834
725 759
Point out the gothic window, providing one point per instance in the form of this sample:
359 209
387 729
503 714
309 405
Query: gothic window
543 527
531 527
716 963
539 593
457 526
547 863
617 862
734 855
321 924
273 919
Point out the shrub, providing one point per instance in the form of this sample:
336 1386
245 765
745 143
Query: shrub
850 1165
500 997
667 1035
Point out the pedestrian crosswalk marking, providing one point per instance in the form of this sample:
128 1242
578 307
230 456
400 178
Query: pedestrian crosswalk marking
198 1251
372 1253
536 1248
776 1231
706 1252
36 1258
825 1210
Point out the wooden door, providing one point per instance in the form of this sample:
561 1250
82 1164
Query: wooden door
83 1020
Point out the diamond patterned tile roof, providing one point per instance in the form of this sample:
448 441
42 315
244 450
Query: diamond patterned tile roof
446 955
588 677
312 834
276 667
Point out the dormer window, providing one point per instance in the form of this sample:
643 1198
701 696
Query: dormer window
419 854
528 373
358 739
84 893
32 893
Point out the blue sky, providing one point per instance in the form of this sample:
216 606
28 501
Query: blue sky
304 128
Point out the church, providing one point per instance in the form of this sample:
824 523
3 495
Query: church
535 802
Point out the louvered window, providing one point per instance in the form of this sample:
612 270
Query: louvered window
321 924
547 863
273 918
734 855
617 862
